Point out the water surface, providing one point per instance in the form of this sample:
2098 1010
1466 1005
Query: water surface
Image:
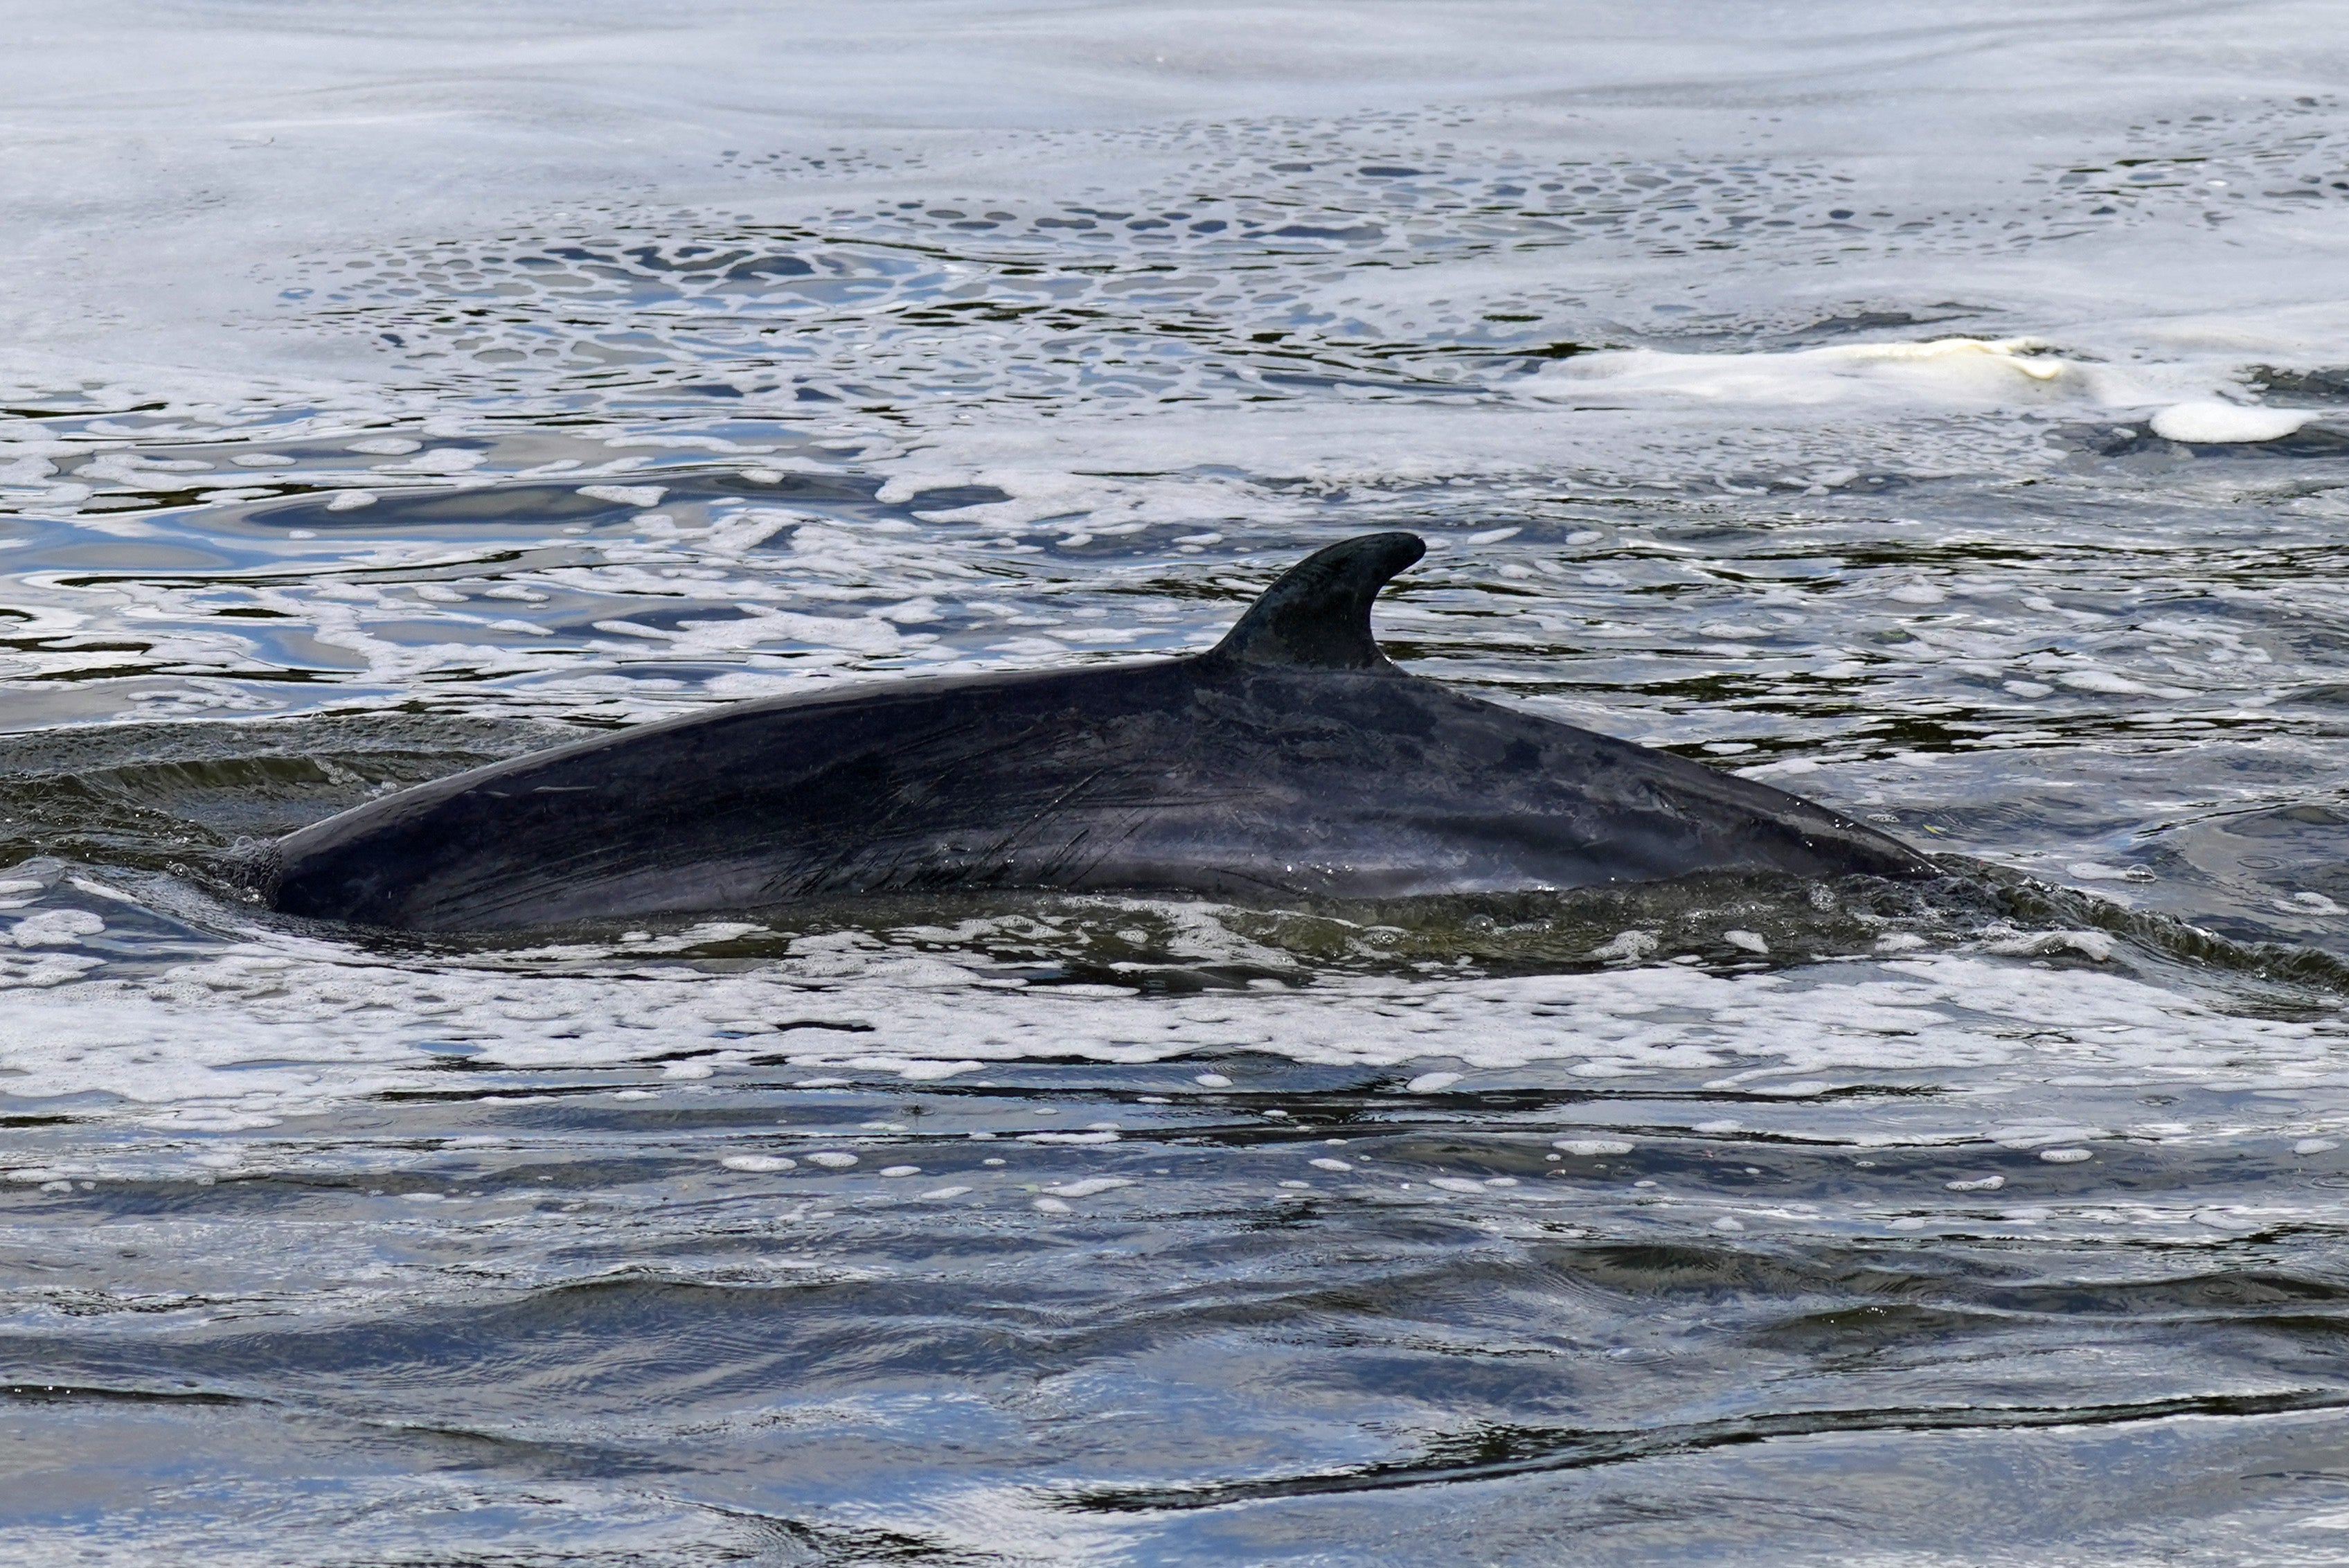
1943 419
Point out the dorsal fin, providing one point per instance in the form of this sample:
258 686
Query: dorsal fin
1318 615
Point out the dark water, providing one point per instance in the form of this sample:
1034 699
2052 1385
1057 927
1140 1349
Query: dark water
1816 401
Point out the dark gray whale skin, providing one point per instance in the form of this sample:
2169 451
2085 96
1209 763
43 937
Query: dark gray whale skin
1293 759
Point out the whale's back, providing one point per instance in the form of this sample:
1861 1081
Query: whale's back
1293 758
1192 774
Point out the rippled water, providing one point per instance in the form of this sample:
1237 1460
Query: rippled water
1944 419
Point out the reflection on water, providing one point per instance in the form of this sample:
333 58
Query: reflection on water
1991 1217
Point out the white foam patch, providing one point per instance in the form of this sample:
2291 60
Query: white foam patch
1962 373
2213 423
55 928
1092 1186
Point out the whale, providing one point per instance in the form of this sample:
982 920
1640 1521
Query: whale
1293 760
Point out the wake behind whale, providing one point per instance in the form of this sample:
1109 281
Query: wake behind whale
1293 759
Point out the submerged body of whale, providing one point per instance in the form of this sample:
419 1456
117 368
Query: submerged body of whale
1291 759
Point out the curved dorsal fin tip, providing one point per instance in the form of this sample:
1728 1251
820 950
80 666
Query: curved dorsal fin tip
1317 614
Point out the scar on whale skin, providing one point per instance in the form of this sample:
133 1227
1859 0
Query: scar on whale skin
1292 759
